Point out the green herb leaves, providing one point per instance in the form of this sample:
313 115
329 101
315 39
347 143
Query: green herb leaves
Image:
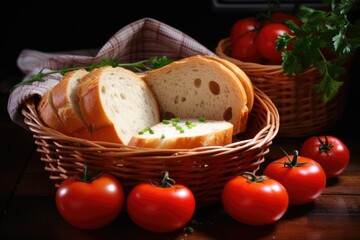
322 34
144 65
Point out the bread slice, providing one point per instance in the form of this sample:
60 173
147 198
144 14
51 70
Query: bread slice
65 101
115 104
244 79
197 87
58 107
47 113
184 134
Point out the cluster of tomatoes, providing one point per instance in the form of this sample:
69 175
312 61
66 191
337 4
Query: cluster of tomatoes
94 201
293 179
254 40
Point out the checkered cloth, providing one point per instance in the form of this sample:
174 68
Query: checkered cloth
139 40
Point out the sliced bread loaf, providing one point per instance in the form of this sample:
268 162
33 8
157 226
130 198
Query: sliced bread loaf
115 104
184 134
197 87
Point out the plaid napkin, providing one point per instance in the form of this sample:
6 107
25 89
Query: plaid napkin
139 40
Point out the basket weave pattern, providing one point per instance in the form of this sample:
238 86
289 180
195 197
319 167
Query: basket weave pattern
301 110
204 170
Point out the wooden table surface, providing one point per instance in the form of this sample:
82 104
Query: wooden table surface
28 208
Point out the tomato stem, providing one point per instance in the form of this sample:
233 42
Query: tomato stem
86 176
292 162
167 181
253 177
325 146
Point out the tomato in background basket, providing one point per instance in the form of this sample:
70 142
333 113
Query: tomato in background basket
266 41
329 151
164 207
254 39
254 200
303 178
90 201
245 48
242 26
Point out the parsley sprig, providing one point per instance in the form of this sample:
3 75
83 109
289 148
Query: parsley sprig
139 66
321 30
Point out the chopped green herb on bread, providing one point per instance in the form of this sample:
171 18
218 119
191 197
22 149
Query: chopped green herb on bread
184 134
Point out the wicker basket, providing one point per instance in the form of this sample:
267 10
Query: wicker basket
204 170
301 110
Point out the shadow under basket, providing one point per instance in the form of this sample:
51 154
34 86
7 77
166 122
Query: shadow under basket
204 170
302 112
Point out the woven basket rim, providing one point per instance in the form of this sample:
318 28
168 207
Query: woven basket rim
266 134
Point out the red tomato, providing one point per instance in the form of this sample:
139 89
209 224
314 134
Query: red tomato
329 151
241 26
303 178
282 17
254 200
90 203
266 41
161 208
245 50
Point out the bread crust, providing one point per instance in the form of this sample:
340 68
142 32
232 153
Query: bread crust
47 113
64 106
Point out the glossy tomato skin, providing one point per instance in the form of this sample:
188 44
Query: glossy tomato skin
241 26
160 209
245 50
90 205
303 183
266 41
254 203
334 158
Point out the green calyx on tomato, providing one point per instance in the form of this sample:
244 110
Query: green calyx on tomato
167 181
253 177
325 146
293 162
86 176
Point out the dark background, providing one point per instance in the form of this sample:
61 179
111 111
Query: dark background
50 26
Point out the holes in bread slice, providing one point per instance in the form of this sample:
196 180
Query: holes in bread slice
214 88
197 82
227 115
177 99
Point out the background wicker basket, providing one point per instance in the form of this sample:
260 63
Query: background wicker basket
204 170
301 110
